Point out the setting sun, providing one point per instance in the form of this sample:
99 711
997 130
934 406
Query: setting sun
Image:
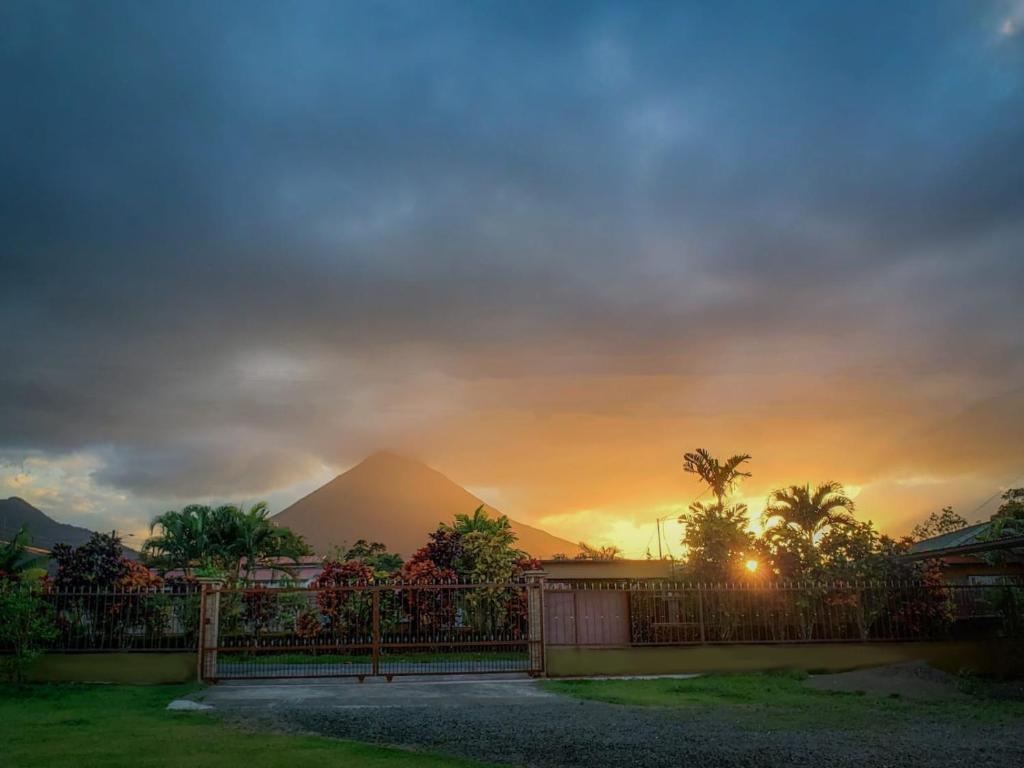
751 565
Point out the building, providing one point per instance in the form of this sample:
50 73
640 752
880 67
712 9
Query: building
969 556
281 572
602 570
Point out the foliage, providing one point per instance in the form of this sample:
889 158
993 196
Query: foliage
261 608
1012 507
374 554
481 521
97 564
343 608
809 513
488 557
427 607
26 628
444 548
220 539
1008 520
717 541
138 576
422 571
938 523
608 552
720 478
15 562
796 518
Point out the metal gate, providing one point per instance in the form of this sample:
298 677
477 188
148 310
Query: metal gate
378 629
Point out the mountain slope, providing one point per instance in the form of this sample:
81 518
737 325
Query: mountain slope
43 530
396 501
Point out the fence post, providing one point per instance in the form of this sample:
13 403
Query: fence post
700 612
375 629
209 626
535 584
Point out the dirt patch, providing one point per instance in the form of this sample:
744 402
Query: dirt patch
913 680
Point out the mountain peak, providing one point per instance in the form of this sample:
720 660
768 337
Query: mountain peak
43 530
388 459
396 500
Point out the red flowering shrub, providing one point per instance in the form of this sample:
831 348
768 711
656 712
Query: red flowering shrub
432 608
261 608
342 606
307 625
138 576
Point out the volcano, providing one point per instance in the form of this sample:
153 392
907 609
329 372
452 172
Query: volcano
397 501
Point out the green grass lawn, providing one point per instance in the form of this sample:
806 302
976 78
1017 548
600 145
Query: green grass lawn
112 726
780 701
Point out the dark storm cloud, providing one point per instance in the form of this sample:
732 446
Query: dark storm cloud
232 231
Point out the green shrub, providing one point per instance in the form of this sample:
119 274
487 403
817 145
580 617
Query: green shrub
27 626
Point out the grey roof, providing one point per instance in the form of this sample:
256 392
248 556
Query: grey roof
968 535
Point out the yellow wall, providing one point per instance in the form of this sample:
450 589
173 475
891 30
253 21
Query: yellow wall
981 658
114 668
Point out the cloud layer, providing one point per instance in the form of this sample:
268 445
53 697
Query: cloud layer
546 249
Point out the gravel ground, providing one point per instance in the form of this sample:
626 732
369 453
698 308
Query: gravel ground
567 732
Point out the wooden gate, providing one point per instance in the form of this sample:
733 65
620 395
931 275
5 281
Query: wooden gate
586 617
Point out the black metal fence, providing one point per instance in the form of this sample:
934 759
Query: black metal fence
381 629
395 628
131 619
662 613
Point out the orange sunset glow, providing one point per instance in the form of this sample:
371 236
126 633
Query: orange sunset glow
548 291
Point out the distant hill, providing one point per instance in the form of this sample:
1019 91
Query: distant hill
43 530
397 501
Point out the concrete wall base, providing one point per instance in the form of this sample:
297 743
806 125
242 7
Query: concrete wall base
986 658
176 667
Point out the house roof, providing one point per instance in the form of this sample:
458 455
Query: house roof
960 546
968 535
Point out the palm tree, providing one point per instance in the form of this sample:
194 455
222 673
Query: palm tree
183 540
481 522
249 537
223 537
720 478
807 513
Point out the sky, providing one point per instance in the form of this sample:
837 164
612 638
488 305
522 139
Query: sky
546 248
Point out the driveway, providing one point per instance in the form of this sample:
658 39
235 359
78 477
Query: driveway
298 696
517 722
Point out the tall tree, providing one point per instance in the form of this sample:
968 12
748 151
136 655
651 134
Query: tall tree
249 539
938 523
1012 507
717 541
182 539
807 512
97 564
374 554
1008 520
720 477
225 538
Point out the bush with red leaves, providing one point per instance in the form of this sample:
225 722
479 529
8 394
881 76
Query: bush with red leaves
343 607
